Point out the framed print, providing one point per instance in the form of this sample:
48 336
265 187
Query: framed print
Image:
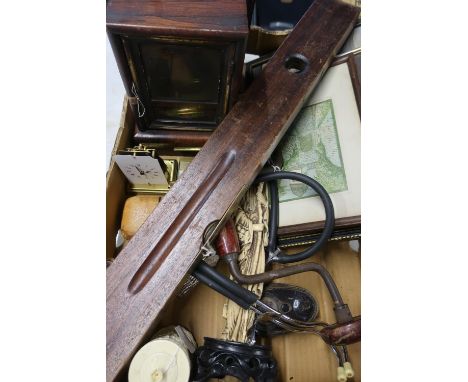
324 142
353 60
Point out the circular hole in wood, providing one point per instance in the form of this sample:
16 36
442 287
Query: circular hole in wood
296 63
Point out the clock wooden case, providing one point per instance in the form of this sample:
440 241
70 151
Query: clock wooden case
180 61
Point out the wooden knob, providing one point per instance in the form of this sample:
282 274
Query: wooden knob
343 334
227 241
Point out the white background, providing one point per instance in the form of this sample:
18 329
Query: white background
114 100
414 209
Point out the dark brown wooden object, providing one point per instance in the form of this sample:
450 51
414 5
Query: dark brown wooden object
346 333
185 138
163 252
181 61
227 241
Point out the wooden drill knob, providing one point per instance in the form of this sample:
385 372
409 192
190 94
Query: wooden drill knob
227 241
343 334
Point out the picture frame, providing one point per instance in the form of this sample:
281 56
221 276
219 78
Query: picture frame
302 218
353 42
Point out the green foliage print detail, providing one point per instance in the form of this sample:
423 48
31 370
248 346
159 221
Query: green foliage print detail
311 146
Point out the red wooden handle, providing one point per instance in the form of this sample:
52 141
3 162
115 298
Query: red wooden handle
343 334
227 241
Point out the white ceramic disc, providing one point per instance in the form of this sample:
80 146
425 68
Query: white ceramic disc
161 360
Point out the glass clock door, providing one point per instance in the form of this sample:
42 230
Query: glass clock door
184 83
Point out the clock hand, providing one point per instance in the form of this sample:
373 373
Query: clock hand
140 171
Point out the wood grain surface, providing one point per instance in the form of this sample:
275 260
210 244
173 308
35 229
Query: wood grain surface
184 138
141 281
137 29
179 17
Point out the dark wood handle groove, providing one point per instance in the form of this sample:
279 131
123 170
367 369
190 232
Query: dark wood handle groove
180 224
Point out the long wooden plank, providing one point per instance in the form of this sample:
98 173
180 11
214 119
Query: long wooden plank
154 263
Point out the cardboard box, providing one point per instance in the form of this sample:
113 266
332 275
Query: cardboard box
301 357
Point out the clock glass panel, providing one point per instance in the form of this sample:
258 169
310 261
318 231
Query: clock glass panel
182 72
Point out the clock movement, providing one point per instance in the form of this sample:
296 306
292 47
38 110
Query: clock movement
180 61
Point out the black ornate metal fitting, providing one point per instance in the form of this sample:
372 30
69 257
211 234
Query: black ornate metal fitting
218 359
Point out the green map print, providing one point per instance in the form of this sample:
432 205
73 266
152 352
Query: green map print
311 147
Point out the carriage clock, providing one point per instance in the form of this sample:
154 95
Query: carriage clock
181 63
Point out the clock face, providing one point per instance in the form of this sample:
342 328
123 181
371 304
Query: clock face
141 170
